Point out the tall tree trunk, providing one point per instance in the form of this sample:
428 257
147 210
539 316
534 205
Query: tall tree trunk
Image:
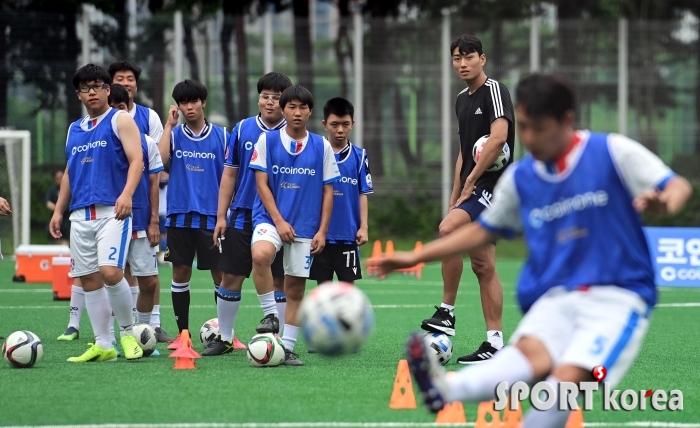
302 44
72 46
375 85
342 46
495 70
697 97
567 46
400 129
158 78
242 57
190 52
4 71
225 39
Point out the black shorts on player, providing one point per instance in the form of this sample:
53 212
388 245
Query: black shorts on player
236 258
343 260
183 243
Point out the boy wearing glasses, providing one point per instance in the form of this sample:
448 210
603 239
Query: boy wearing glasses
105 165
237 196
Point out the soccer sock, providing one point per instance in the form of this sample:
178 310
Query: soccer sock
120 301
227 304
495 338
281 303
134 296
97 305
476 384
155 316
216 290
112 337
181 304
451 308
77 303
143 317
552 418
289 337
267 302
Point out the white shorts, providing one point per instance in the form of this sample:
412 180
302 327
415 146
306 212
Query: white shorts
143 258
604 325
101 242
297 255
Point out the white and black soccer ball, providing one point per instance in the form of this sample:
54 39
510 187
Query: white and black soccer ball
336 318
209 332
22 349
265 350
441 345
500 162
146 338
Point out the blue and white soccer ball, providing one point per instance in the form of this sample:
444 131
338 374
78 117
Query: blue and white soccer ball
500 162
441 345
336 318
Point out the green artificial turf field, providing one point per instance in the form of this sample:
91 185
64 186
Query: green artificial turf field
351 391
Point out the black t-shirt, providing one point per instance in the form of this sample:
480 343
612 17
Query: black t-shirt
475 114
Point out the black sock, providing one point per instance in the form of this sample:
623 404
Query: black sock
181 307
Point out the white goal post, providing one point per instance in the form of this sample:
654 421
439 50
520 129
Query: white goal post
18 158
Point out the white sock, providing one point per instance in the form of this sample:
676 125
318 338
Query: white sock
495 338
112 337
290 336
143 317
552 418
227 311
97 305
77 304
155 316
267 302
120 300
478 383
134 296
281 310
449 307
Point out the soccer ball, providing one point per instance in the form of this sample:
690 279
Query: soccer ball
336 318
266 350
209 331
500 162
440 345
22 349
146 337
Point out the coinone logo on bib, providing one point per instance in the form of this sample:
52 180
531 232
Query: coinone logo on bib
276 169
196 155
89 146
564 207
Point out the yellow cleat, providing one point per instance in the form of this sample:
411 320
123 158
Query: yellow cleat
95 353
131 348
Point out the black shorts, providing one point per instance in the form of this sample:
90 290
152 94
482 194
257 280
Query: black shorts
236 257
184 242
341 259
477 203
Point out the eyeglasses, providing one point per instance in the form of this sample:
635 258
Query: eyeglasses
86 88
269 97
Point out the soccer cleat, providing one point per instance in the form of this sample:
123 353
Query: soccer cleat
95 353
269 324
155 353
484 353
131 348
162 336
218 347
441 322
116 348
176 344
237 344
291 359
429 375
71 333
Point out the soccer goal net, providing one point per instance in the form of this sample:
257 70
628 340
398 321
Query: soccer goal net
15 165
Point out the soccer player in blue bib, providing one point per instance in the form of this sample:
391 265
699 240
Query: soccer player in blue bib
237 196
105 164
196 153
587 288
295 171
348 227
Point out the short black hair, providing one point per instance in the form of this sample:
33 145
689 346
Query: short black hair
338 106
545 95
274 81
297 93
467 44
90 73
125 66
189 90
118 94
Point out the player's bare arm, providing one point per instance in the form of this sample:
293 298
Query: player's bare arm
4 207
319 240
469 237
61 205
363 232
226 188
668 201
284 229
457 185
153 231
130 137
164 143
492 149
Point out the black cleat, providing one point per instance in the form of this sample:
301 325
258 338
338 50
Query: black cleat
441 322
429 375
484 353
291 359
269 324
218 347
162 336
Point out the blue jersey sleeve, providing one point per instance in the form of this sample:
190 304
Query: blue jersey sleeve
232 157
364 176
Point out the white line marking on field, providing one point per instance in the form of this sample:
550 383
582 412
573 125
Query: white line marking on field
63 307
633 424
679 305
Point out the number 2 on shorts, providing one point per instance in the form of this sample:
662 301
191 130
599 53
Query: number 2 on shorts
113 252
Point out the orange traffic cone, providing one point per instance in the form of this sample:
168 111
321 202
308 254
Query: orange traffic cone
185 355
403 396
486 408
452 413
512 418
575 419
175 344
237 344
